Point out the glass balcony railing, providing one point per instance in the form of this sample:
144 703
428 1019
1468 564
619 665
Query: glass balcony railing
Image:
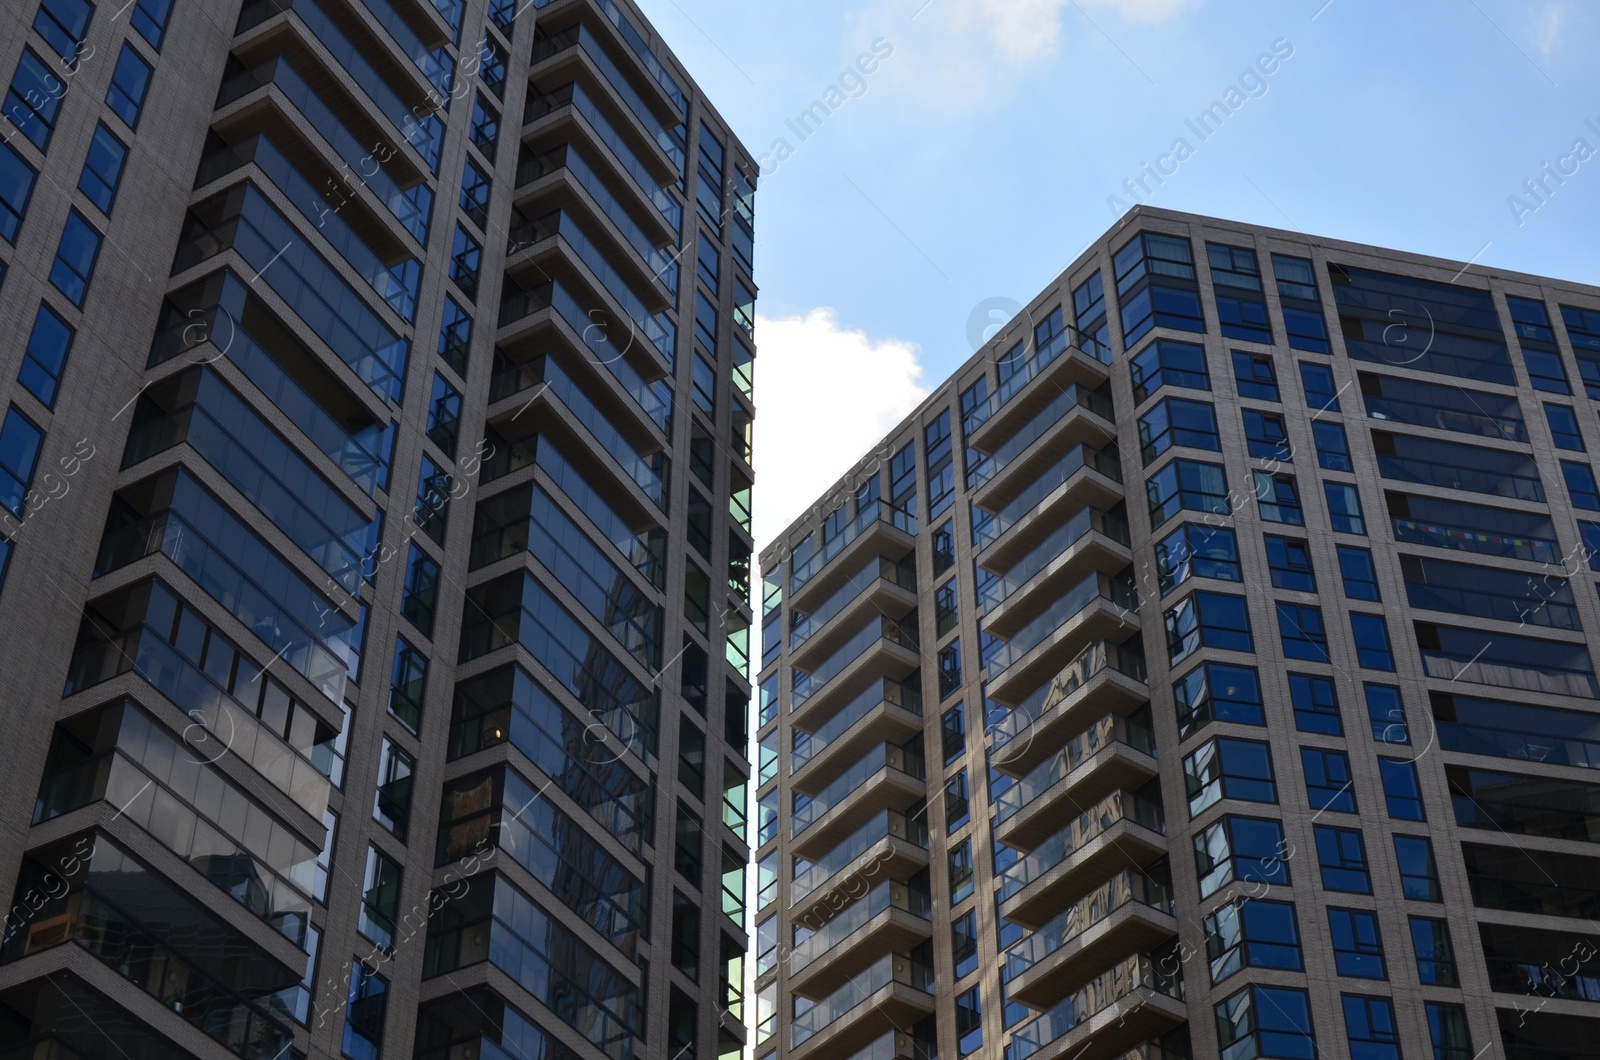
1467 538
1126 659
903 574
887 823
1117 590
670 139
1090 825
1113 524
1060 406
877 511
658 328
573 95
1069 339
516 303
650 473
809 809
1136 975
892 968
1113 728
885 896
435 63
807 746
1102 460
1124 889
882 628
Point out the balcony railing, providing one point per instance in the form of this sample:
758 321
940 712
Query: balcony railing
807 746
877 568
1060 406
1124 889
1090 825
1094 659
887 823
886 895
1112 524
1104 461
892 968
1118 591
670 140
883 628
661 262
1137 974
807 810
1069 339
435 63
1113 728
875 512
573 95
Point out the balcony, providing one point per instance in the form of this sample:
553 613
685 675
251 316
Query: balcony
880 529
1126 828
882 648
1071 418
1117 1011
1069 359
892 846
1116 752
887 777
1084 477
1091 540
1099 608
1104 677
1130 913
892 993
892 918
884 711
896 1045
879 586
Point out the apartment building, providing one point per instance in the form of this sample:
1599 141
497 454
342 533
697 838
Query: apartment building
1206 669
375 470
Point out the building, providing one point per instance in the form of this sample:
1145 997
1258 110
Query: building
1206 669
376 535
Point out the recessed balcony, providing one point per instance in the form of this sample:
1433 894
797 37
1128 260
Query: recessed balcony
879 586
885 711
1118 1010
1067 359
1115 752
886 777
1084 477
1091 540
1072 417
879 529
892 918
1130 913
892 993
1100 607
890 846
1105 677
882 648
1125 828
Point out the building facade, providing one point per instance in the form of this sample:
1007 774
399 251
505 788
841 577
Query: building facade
1206 669
376 533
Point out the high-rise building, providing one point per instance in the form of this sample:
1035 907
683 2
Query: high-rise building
1206 669
375 465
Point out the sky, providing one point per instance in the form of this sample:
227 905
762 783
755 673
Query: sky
966 151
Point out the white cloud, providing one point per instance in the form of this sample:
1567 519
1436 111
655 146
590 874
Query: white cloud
1147 11
825 394
1546 26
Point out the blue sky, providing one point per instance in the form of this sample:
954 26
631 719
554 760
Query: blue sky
976 159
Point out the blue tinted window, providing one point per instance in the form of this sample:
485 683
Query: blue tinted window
432 511
444 415
1447 1031
1372 641
1316 704
961 871
1333 449
1436 959
1580 486
1265 436
485 126
969 1022
1217 692
1302 307
129 83
1243 848
1400 789
964 943
1176 421
150 19
1564 427
1419 875
466 256
19 453
64 24
1321 392
1278 498
475 186
1357 947
1186 484
1168 362
419 597
1545 370
455 336
75 258
1255 934
1387 712
1255 376
45 357
16 185
1342 856
102 169
1344 508
1194 551
1369 1024
1289 561
34 99
1155 283
1266 1021
1228 769
365 1009
1242 318
1300 627
1329 786
1211 620
1355 567
492 66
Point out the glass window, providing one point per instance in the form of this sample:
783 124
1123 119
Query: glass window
1333 449
705 321
16 185
1228 769
380 899
1357 946
1155 284
19 453
45 357
1419 875
1177 421
129 83
64 24
444 415
102 169
688 834
1302 306
1249 849
1387 713
953 726
492 65
1266 1021
432 511
964 943
1290 563
1197 551
1372 641
1369 1024
149 18
1316 704
34 99
1447 1030
1211 620
1217 692
1564 427
941 464
466 258
1265 436
408 685
75 258
961 871
419 596
1355 567
1329 786
1301 630
1344 508
708 262
1545 370
1186 485
1321 393
1436 959
1255 376
485 130
949 668
1342 857
1401 790
1277 498
1252 934
945 608
391 806
1168 362
703 378
475 188
455 336
969 1022
957 802
365 1009
1581 486
944 548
